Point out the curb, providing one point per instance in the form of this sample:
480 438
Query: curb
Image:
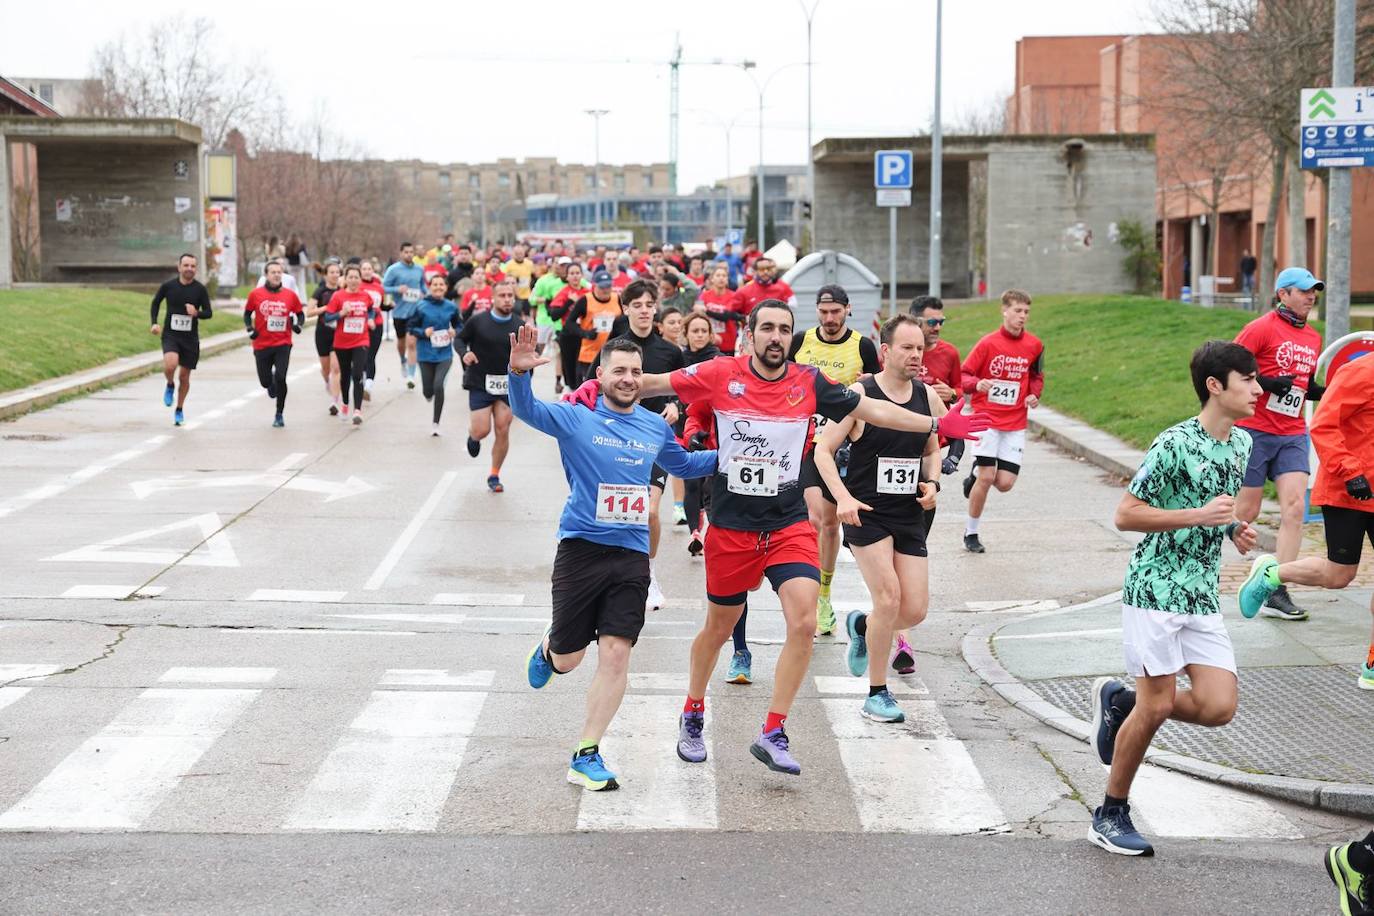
1339 798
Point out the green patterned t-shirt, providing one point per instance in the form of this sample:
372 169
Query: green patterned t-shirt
1186 468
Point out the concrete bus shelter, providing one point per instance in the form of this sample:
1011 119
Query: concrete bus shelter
117 199
1053 205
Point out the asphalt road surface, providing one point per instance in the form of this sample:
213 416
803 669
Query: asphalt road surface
246 669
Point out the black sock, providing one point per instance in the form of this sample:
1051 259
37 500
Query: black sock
1361 855
1109 801
549 658
861 625
874 691
586 751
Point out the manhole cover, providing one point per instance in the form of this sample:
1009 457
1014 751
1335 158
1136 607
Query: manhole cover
33 437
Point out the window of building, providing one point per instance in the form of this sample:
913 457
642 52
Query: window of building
619 184
648 181
444 180
45 92
474 180
503 180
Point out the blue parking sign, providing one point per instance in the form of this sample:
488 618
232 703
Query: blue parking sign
892 169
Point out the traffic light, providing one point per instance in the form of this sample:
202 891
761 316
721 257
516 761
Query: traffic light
806 209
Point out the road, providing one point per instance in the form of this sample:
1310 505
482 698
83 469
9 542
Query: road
249 669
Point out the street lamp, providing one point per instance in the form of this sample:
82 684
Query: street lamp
727 127
596 114
748 67
810 166
936 164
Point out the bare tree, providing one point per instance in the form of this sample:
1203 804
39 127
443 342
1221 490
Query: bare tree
172 70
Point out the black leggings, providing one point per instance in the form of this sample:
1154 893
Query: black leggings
692 499
352 367
432 378
568 348
374 344
272 366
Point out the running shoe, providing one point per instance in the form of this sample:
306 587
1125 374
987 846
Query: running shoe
410 384
473 446
741 668
589 771
1357 890
691 746
696 544
278 422
434 430
1112 703
272 389
968 482
1262 582
1366 680
882 708
857 656
345 411
558 386
973 545
358 419
178 418
537 667
679 515
167 396
770 748
825 617
367 394
494 484
1280 605
410 375
333 410
903 660
1113 831
655 598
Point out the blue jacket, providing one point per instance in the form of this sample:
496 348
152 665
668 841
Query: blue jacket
602 447
433 313
410 275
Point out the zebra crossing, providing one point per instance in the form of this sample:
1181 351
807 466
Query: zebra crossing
188 753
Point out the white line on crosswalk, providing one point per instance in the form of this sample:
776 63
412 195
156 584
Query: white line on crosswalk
264 631
1172 804
898 685
652 680
395 766
657 790
398 549
115 592
217 675
116 778
478 599
10 694
405 618
296 594
26 672
435 677
914 777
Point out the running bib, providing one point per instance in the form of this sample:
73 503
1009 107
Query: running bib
622 504
181 322
411 295
276 324
1290 405
820 422
497 384
1004 393
354 325
752 476
717 326
441 338
522 283
603 322
899 476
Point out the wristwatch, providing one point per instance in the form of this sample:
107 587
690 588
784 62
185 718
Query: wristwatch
935 426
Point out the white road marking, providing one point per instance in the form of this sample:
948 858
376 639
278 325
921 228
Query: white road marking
398 549
435 677
116 592
295 594
1172 804
1059 634
395 766
287 480
405 618
1026 606
657 790
217 675
897 684
650 680
291 462
16 672
478 599
9 694
214 548
115 779
913 777
56 487
315 632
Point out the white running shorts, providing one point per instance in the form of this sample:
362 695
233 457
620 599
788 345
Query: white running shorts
1159 642
1001 444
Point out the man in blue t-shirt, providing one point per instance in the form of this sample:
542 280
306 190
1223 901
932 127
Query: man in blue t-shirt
601 571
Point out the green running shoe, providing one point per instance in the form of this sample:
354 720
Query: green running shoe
825 617
1357 891
882 708
1262 582
1366 677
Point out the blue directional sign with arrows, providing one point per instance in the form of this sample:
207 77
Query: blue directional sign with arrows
1337 127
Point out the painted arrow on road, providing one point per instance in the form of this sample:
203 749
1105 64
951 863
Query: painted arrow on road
277 476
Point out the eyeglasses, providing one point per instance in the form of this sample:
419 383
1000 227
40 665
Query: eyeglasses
935 322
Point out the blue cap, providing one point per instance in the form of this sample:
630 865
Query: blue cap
602 278
1300 277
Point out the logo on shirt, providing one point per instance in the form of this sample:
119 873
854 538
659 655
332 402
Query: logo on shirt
1008 367
692 369
795 395
735 388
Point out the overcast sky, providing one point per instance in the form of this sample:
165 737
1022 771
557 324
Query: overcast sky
514 79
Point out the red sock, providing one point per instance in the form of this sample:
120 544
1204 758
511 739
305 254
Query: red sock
495 472
1369 662
774 721
694 705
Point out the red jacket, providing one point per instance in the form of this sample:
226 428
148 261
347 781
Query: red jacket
1016 367
1343 433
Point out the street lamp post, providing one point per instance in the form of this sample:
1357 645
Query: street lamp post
596 114
729 199
810 166
936 165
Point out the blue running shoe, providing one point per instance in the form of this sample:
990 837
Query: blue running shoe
494 484
1113 831
537 667
858 645
882 708
178 418
1262 582
167 396
589 771
278 422
1112 703
691 746
771 749
741 667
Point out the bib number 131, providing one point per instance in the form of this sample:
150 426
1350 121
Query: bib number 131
622 504
899 475
752 476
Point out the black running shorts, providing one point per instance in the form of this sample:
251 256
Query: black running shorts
1346 530
597 591
187 349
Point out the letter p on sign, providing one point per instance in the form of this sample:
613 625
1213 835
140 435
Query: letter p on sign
892 169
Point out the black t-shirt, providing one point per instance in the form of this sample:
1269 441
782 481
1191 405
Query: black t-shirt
459 273
660 357
178 295
322 295
489 340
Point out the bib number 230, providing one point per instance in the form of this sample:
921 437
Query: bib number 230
752 476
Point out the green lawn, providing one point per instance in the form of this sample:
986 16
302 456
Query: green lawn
51 332
1119 363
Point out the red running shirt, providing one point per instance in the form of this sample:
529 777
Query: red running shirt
751 294
478 299
355 317
941 364
761 429
272 313
1016 367
727 332
1281 349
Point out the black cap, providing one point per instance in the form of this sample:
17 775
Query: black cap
834 292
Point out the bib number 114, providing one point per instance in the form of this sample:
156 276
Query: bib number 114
622 504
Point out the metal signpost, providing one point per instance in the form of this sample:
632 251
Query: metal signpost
892 178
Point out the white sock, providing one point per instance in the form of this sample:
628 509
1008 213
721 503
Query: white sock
971 525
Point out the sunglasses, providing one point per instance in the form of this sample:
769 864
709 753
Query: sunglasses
935 322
